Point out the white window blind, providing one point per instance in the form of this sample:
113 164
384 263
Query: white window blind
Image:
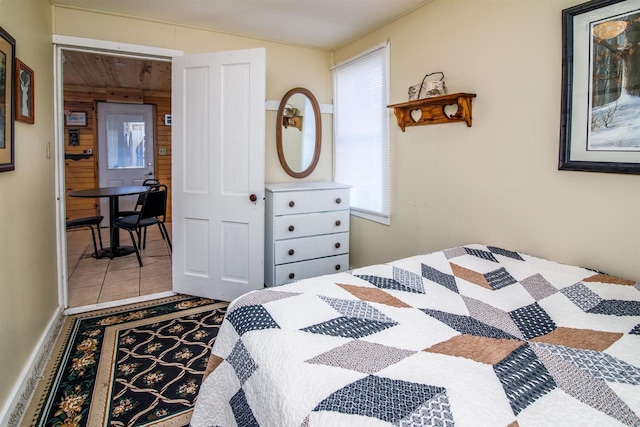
361 131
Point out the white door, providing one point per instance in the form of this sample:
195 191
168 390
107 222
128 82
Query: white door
125 149
218 137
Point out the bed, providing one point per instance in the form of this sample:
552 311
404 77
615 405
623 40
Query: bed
468 336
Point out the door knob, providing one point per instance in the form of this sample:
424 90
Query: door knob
149 173
253 197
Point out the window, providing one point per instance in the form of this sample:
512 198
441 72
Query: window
361 131
126 141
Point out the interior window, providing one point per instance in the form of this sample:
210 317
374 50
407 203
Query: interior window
361 131
125 141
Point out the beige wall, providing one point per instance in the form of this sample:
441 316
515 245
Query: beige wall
496 182
28 273
287 66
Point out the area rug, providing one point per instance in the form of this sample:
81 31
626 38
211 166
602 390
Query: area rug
139 365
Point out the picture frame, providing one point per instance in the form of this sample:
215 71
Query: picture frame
76 119
7 112
24 93
600 105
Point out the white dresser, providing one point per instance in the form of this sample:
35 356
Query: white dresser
307 230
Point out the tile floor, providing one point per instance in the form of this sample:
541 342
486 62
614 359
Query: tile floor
94 281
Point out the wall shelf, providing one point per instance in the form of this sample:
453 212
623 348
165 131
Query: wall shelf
293 121
76 156
429 111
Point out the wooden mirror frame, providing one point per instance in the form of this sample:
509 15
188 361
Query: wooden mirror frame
316 112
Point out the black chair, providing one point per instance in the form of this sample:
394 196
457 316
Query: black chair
88 222
136 210
154 206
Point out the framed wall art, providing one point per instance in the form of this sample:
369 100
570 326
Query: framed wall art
24 93
600 121
77 118
7 68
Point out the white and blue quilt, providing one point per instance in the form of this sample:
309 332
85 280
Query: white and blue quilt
469 336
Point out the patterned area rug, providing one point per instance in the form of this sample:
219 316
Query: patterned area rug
129 366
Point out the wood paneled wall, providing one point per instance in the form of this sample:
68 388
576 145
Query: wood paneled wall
80 174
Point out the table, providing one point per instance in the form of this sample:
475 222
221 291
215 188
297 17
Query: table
113 193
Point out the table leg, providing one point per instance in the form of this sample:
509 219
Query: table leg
116 250
114 238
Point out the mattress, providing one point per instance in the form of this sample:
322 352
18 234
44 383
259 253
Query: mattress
469 336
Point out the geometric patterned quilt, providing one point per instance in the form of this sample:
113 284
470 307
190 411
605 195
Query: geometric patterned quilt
469 336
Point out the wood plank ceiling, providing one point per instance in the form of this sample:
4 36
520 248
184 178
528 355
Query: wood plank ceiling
92 70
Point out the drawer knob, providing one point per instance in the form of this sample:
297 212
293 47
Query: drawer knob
291 252
292 204
337 267
291 228
338 200
338 245
338 223
291 275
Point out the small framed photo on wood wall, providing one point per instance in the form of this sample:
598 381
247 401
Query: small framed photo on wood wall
77 118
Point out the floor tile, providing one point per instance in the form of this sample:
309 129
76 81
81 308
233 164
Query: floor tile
155 284
120 275
116 297
91 266
124 263
157 267
84 295
78 281
100 280
120 288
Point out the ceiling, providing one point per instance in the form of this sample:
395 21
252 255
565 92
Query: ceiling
325 24
82 69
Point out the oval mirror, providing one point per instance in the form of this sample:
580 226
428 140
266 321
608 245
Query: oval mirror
298 132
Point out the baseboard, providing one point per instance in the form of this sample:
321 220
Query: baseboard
18 400
132 300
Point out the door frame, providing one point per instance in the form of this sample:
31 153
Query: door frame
60 44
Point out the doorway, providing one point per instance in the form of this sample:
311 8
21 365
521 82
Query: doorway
235 140
88 73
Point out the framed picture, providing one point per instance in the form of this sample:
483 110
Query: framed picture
600 121
77 118
7 68
24 93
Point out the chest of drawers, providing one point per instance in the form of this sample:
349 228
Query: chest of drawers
306 230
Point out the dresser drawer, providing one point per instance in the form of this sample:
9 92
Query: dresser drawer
292 250
295 202
292 226
286 273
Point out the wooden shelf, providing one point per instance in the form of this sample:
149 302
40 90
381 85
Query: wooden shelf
77 156
294 121
429 111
